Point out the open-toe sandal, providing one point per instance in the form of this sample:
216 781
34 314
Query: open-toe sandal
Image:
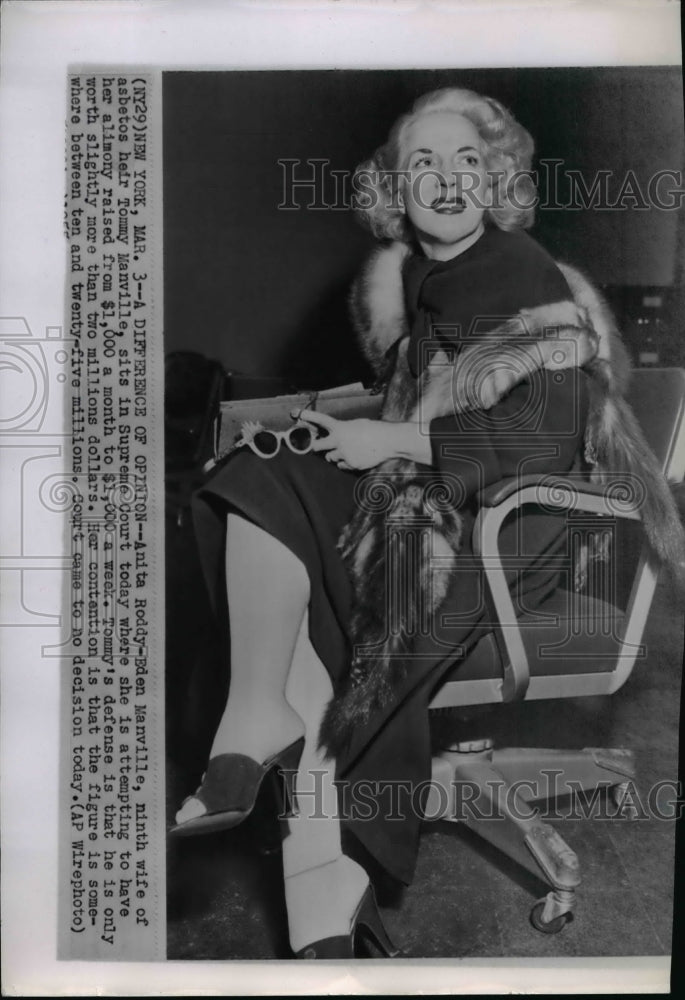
230 787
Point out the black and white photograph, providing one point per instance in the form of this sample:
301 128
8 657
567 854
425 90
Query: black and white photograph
342 555
339 614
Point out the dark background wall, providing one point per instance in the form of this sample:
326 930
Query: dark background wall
263 290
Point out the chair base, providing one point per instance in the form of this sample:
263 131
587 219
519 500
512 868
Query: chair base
492 792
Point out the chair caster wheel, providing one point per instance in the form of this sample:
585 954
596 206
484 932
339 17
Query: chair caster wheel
552 926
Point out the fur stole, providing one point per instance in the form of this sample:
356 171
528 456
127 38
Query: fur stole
401 545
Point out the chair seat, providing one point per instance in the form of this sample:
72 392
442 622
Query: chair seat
568 634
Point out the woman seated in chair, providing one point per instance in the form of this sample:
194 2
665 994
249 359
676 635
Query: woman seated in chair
329 678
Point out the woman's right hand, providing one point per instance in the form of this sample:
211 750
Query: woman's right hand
352 444
363 444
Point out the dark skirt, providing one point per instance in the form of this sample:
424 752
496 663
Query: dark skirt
305 501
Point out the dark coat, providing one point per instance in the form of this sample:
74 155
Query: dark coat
512 365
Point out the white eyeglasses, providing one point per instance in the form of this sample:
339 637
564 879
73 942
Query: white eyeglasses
266 444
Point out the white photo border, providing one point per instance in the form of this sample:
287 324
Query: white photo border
40 41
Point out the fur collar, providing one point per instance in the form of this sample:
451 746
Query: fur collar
378 310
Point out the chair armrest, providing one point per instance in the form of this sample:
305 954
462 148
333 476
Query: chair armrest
493 495
555 494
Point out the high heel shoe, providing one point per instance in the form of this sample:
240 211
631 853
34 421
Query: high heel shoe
366 922
230 787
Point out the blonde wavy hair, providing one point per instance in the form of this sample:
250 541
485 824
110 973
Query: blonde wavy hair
507 150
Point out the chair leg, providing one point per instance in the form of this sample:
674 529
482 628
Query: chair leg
469 788
547 774
491 791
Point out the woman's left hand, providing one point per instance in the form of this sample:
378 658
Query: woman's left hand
351 444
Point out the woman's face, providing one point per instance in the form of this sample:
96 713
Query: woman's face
445 194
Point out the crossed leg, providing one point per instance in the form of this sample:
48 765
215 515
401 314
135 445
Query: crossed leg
278 692
322 886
